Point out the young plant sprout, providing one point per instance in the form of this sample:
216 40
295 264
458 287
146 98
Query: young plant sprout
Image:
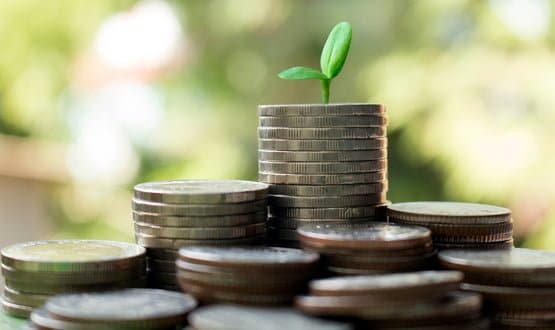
332 59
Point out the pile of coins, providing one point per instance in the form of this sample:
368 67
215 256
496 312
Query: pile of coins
421 300
171 214
35 271
458 225
125 309
324 163
370 248
226 317
518 285
245 275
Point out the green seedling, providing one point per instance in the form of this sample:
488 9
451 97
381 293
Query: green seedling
332 60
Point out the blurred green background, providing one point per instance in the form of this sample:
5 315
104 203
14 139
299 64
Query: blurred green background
96 96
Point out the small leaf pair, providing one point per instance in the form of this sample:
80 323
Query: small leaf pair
332 60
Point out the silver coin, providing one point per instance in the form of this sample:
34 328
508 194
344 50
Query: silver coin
204 222
328 190
340 109
37 287
322 133
327 201
201 233
322 145
326 212
450 212
294 223
322 156
44 320
199 209
138 308
225 317
324 121
201 191
24 298
20 311
324 179
322 168
171 243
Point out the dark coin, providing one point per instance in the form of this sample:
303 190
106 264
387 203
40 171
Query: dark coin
306 110
322 145
327 201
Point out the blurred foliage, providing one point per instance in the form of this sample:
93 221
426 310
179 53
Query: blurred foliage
469 100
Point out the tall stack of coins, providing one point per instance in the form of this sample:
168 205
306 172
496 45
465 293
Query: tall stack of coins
518 285
245 275
458 225
421 300
171 214
226 317
354 249
326 163
124 309
34 271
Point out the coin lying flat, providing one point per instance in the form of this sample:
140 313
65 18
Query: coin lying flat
329 190
331 201
258 318
322 156
515 298
199 209
327 212
362 236
204 222
155 242
41 319
294 223
321 133
331 179
201 191
341 109
322 145
505 245
139 308
323 167
67 256
451 212
323 121
462 230
201 233
16 310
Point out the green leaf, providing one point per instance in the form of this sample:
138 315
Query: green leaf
301 72
336 49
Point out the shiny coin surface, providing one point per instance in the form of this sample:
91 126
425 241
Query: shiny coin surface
363 236
250 257
151 241
324 121
321 133
330 179
322 156
322 145
199 209
201 191
321 168
451 212
326 212
326 201
201 233
258 318
329 190
341 109
162 254
204 222
139 308
70 256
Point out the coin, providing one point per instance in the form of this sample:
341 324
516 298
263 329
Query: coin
205 222
199 209
328 201
162 254
322 145
364 236
326 212
508 244
144 308
249 257
450 212
22 298
227 317
475 239
302 179
323 121
16 310
341 109
201 191
155 265
321 133
517 266
70 256
282 234
172 243
329 190
201 233
322 168
44 320
514 298
294 223
35 287
369 254
391 264
462 230
322 156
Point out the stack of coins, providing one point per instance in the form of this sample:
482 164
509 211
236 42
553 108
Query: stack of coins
125 309
326 163
518 285
245 275
356 249
171 214
458 225
226 317
421 300
35 271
